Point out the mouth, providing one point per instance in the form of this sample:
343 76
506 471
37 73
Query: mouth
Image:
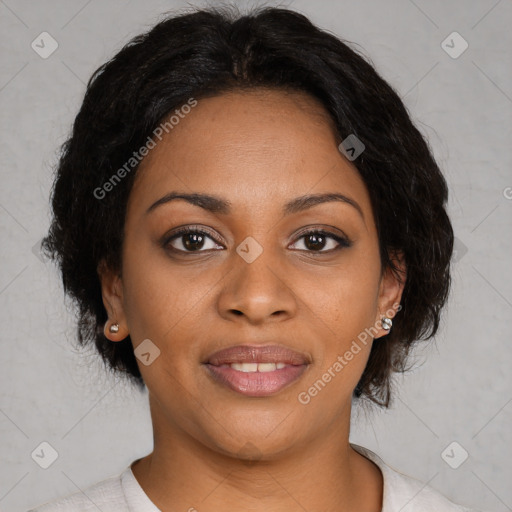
256 371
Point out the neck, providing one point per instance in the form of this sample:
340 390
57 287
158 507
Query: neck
325 474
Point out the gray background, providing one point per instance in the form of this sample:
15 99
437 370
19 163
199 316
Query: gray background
461 388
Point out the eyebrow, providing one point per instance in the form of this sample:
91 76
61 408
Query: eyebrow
216 204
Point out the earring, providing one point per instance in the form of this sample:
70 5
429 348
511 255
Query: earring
387 323
114 328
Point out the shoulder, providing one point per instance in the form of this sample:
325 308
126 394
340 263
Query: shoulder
402 492
106 496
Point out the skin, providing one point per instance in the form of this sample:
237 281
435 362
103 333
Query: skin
215 449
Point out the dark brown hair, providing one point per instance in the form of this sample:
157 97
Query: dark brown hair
211 51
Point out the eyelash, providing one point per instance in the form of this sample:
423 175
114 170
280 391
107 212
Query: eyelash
343 242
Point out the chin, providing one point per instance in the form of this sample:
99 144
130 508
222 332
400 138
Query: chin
254 441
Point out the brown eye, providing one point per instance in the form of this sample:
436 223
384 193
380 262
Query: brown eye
191 240
317 241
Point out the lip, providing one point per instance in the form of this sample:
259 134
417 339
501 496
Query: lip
257 354
256 384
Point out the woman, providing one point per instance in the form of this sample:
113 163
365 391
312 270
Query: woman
251 227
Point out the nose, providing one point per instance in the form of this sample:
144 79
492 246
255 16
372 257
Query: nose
257 292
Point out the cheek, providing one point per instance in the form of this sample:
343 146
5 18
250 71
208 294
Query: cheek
347 299
347 342
165 303
159 307
347 312
345 308
154 297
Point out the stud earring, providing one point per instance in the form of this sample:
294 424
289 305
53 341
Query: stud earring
114 328
387 323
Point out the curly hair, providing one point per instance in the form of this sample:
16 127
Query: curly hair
208 52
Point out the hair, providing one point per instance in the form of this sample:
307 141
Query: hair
212 51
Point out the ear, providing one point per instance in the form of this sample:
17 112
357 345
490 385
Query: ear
112 294
390 290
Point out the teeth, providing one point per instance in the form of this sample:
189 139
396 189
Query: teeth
257 367
245 367
266 367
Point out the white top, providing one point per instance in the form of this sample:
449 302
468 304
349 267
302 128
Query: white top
122 493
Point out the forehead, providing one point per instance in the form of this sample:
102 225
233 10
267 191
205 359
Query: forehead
258 145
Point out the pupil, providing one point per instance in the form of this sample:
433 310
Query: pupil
318 241
193 241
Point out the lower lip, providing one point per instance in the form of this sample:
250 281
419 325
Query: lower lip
256 383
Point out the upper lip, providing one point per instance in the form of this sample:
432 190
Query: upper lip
257 354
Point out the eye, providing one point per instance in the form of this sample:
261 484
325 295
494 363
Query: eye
322 241
190 239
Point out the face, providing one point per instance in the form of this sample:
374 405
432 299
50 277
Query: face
286 253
